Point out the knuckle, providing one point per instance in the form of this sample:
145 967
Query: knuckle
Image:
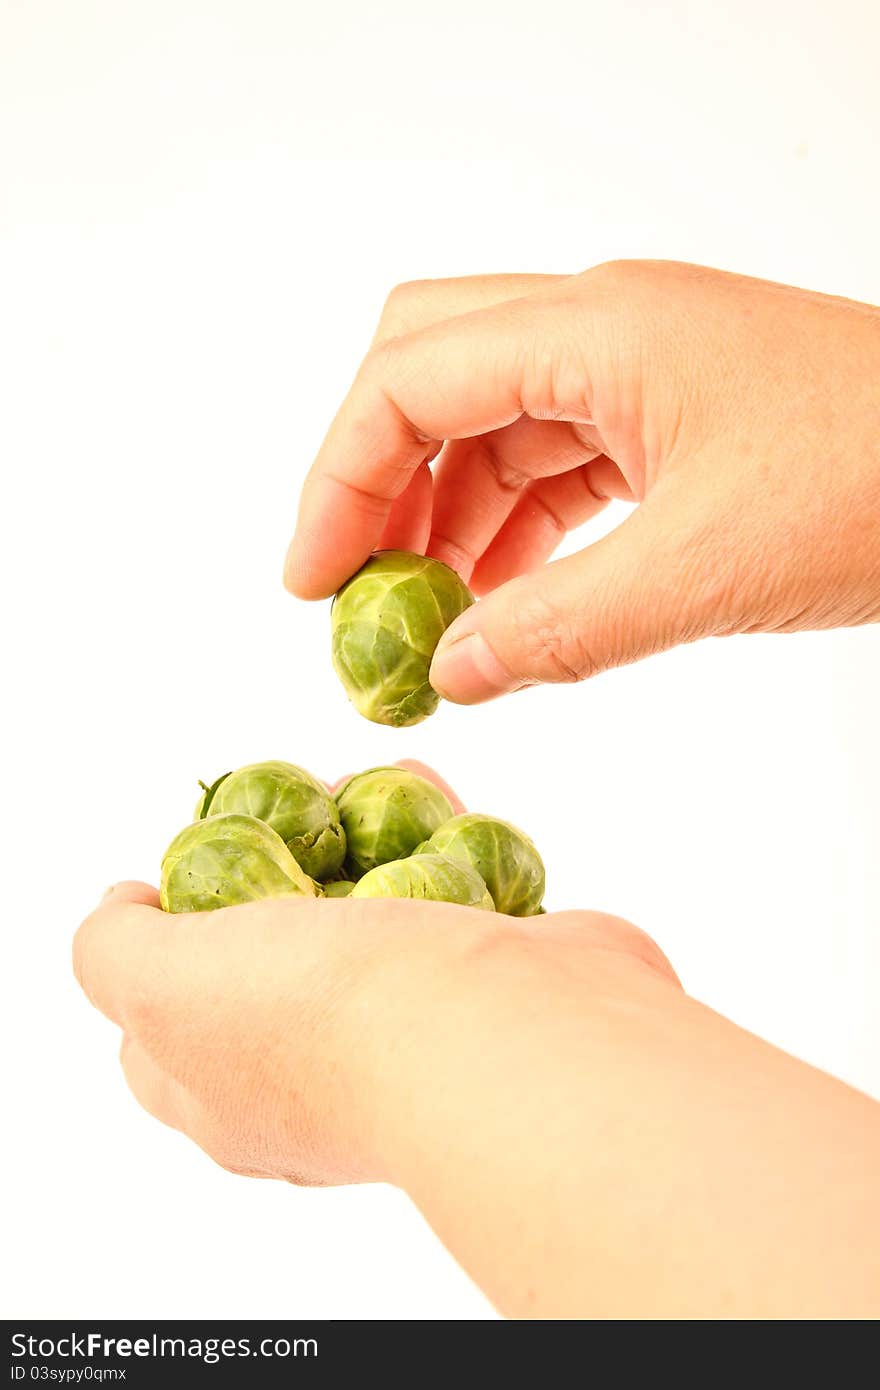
623 274
144 1021
633 941
384 364
400 307
375 366
543 508
615 274
400 295
507 476
220 1142
389 369
453 553
245 1143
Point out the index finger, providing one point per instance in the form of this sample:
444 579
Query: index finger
423 770
452 380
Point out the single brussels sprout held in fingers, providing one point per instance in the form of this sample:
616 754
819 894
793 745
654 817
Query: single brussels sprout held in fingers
296 805
503 856
339 888
229 859
429 877
385 813
386 622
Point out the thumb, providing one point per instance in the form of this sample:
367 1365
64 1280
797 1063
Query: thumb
637 591
131 891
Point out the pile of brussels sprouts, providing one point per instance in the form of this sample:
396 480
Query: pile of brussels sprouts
271 830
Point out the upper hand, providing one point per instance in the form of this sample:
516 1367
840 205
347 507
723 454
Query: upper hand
741 415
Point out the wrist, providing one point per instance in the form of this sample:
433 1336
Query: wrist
393 1029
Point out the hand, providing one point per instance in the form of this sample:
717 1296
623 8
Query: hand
264 1031
742 416
586 1139
271 1033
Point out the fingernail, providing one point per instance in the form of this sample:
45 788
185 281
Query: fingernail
108 892
468 671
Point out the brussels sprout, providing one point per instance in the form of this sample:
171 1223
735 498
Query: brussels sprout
385 813
229 859
207 796
297 806
386 622
428 876
504 857
421 849
339 888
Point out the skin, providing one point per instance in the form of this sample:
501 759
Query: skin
586 1138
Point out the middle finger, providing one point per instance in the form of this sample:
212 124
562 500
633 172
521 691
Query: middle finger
479 481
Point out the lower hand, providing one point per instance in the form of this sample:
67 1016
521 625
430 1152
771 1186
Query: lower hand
284 1036
271 1033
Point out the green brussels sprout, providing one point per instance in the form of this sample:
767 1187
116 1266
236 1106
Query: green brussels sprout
428 876
207 796
297 806
503 856
385 813
339 888
229 859
386 622
421 849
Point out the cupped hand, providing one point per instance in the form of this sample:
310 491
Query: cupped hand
286 1036
741 415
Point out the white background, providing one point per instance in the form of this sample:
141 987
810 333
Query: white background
203 208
